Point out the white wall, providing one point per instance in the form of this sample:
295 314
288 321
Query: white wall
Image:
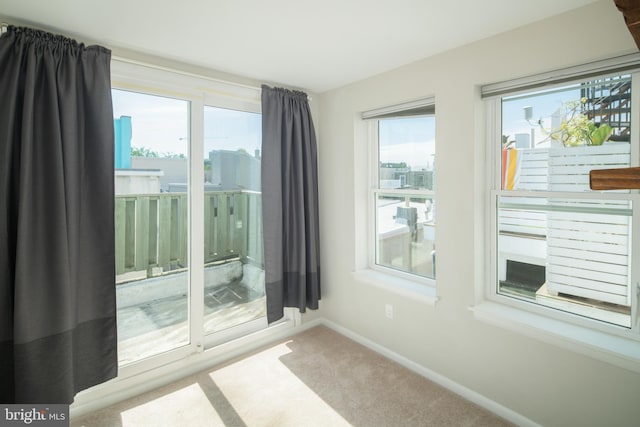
547 384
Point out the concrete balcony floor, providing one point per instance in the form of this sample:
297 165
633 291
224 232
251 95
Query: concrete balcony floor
147 328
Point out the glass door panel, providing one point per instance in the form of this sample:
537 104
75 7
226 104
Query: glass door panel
234 266
151 217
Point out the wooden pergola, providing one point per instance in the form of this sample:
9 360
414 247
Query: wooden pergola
630 9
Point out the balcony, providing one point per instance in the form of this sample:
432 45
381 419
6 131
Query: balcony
151 267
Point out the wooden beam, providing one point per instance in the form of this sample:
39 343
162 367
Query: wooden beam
631 12
615 179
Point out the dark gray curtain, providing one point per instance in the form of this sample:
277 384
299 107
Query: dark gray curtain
57 274
289 202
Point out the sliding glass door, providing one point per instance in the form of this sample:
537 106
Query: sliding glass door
188 215
234 271
151 216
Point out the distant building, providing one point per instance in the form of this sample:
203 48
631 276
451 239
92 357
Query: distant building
224 169
234 170
130 178
174 169
133 181
122 142
393 175
399 175
420 179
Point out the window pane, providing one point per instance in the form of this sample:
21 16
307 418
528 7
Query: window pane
551 139
151 212
405 232
234 266
570 254
407 153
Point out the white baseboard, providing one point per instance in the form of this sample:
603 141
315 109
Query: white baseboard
445 382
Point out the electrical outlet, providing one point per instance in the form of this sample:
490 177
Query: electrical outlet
388 311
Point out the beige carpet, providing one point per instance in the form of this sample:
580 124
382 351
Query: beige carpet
316 378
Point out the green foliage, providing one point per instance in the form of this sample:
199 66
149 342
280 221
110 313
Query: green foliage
143 152
147 152
170 155
576 129
600 134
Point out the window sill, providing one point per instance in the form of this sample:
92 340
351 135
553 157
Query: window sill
609 348
407 288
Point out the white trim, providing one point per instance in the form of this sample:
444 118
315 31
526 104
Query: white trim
634 272
583 71
138 172
152 82
176 84
126 60
398 108
196 224
373 169
197 91
404 193
613 344
585 335
120 389
407 285
603 346
437 378
585 195
635 122
214 339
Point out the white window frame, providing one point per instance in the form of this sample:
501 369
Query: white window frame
611 343
403 283
199 92
203 350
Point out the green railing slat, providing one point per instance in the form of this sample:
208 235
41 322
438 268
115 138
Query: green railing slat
119 217
129 237
164 232
152 230
183 212
142 233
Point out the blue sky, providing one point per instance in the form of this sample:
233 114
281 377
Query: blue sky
543 104
162 124
411 140
231 130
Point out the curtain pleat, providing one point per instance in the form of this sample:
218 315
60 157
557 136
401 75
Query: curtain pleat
289 202
57 262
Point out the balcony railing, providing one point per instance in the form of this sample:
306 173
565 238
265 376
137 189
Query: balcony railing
151 231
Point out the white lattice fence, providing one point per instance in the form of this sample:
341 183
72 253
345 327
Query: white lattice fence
587 240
